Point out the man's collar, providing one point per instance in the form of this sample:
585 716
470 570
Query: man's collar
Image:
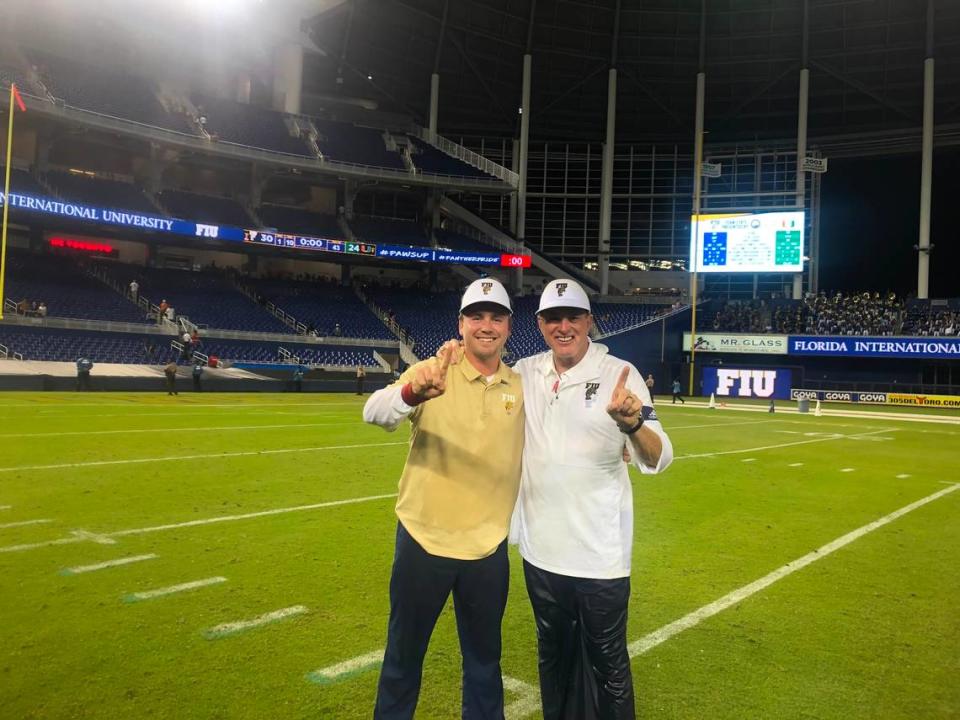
587 369
503 373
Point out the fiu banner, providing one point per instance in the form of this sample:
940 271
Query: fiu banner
737 343
876 398
886 347
746 383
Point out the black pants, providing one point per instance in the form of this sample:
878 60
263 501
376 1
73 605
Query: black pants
359 386
419 586
83 380
676 396
196 384
582 643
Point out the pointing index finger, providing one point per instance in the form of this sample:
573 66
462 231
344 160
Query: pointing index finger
444 359
622 381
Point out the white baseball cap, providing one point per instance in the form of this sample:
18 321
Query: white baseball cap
486 290
563 294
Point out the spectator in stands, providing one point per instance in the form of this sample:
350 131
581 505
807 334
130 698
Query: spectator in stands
337 330
197 374
187 351
457 492
361 376
676 393
42 310
162 311
134 290
195 339
170 375
84 366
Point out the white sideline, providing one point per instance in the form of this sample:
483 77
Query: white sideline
205 456
81 535
781 445
203 428
232 628
182 587
857 414
648 642
525 706
108 564
21 523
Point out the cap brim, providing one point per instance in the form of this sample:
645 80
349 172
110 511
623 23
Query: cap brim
486 305
564 307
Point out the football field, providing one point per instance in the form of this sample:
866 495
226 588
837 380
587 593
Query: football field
228 556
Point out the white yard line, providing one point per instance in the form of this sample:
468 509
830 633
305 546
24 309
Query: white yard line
205 456
21 523
5 507
720 424
108 564
182 587
202 428
903 476
782 445
857 414
529 704
847 469
232 628
648 642
795 465
82 535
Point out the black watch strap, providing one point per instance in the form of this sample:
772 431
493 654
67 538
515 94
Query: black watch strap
631 431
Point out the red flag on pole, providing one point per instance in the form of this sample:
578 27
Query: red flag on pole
16 96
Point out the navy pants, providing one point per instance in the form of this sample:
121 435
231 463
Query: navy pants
582 645
419 586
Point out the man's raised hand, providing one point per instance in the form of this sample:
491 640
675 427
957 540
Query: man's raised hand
430 380
624 407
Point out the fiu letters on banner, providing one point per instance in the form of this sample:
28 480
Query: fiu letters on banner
746 382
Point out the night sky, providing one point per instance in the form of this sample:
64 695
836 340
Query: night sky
870 221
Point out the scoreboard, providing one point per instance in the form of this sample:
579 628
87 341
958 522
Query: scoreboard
747 242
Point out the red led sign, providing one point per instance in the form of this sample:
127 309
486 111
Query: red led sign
515 261
82 245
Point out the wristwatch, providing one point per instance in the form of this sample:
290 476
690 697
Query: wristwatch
631 431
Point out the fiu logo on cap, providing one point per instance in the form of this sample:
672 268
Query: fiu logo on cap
509 402
486 287
561 289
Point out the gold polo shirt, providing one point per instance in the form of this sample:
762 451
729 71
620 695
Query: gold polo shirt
462 475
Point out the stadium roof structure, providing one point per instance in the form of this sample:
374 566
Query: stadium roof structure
865 59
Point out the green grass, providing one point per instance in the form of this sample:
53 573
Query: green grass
870 631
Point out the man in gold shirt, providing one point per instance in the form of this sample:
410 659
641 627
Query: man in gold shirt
457 493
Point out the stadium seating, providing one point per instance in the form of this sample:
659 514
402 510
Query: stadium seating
205 208
106 91
248 125
100 192
209 298
321 307
389 231
139 349
295 220
938 318
65 289
856 314
456 241
23 182
344 142
616 317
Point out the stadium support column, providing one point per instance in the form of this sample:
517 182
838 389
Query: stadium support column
697 185
926 166
434 104
287 77
606 184
606 180
524 152
802 106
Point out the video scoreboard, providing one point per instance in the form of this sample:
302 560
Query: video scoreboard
747 242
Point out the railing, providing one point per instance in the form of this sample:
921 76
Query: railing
287 356
275 157
468 156
286 318
649 321
4 350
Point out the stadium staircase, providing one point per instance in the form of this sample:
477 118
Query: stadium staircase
502 241
406 343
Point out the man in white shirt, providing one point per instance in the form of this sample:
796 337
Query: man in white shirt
585 411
